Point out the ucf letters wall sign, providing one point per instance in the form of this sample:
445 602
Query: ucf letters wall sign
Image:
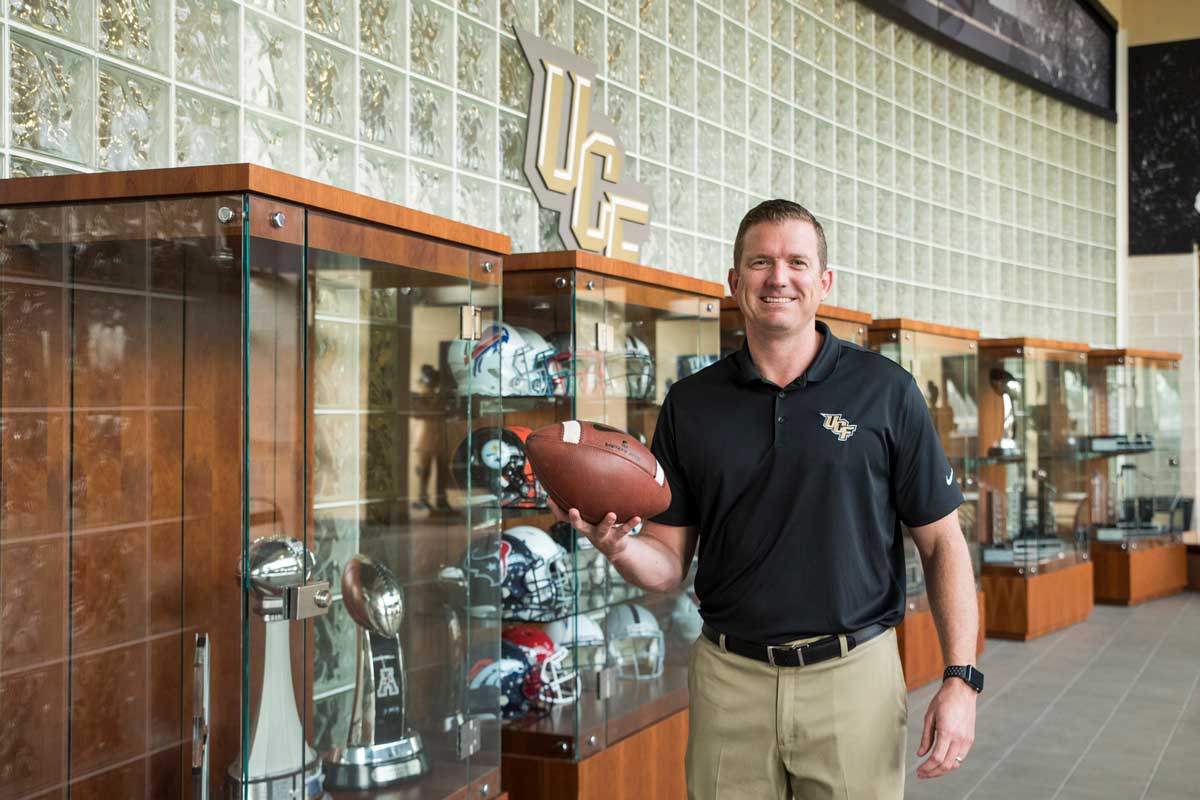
574 161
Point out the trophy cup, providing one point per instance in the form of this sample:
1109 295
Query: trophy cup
281 765
1009 389
380 749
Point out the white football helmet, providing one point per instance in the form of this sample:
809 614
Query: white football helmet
538 583
631 373
507 360
580 636
635 642
574 371
685 619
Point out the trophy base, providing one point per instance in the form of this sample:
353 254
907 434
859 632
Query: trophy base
375 766
304 784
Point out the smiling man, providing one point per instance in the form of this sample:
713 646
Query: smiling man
793 464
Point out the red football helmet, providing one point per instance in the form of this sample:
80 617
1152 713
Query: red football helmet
551 681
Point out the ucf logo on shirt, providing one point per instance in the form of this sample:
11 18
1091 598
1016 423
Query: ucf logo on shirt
574 161
839 426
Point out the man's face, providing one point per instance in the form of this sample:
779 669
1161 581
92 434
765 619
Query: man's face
780 284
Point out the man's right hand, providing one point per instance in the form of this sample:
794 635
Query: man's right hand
606 536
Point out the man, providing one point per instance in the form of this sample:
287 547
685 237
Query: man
792 464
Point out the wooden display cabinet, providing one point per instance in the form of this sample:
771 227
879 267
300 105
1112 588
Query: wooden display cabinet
615 336
214 398
944 362
1139 513
1034 512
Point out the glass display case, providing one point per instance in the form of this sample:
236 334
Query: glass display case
595 339
944 362
1134 448
235 559
846 324
1033 511
1138 509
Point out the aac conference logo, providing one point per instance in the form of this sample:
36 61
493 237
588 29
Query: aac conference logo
574 161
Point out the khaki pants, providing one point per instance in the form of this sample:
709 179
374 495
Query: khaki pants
836 729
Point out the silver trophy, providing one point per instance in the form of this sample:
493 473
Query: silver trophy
381 749
1009 389
280 764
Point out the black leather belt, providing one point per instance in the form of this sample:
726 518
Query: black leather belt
794 655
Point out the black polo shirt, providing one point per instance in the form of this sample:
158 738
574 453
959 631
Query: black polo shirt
799 491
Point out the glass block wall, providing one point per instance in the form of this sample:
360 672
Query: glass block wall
950 194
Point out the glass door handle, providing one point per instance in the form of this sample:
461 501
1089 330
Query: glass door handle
200 718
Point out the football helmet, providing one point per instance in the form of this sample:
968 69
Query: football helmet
571 370
499 464
691 364
505 679
508 360
580 636
635 642
552 680
538 582
685 619
631 373
478 582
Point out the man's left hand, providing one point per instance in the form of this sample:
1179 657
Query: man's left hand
949 729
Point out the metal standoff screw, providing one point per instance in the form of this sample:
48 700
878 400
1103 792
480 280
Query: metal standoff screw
591 285
893 336
708 307
488 266
564 747
560 283
277 219
485 790
225 215
592 740
322 598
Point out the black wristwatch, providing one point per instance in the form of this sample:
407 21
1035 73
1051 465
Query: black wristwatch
972 676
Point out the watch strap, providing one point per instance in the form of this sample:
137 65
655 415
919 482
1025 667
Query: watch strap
971 676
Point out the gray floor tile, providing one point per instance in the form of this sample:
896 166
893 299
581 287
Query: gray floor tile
1106 709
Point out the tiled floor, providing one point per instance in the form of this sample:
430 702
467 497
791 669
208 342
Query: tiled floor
1108 709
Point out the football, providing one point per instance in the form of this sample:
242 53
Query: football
597 469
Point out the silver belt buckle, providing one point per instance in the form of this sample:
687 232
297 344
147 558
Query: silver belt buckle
797 649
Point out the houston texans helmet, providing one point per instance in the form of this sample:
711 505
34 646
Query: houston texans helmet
538 583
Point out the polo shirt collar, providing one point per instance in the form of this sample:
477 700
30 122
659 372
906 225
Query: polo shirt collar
821 367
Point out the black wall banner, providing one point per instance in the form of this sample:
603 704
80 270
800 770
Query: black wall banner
1164 147
1065 48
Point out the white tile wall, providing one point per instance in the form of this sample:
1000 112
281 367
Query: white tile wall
949 192
1164 314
